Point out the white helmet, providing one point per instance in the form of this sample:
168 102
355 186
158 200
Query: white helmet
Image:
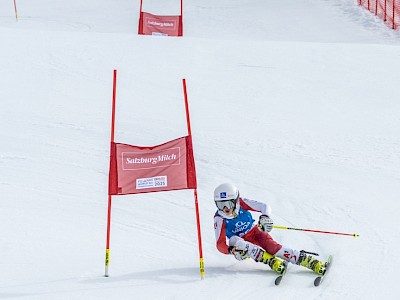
226 194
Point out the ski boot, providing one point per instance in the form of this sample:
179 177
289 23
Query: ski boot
318 267
275 263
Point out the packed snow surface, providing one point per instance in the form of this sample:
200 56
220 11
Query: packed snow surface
295 102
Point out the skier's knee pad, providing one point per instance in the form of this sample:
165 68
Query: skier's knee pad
240 244
288 254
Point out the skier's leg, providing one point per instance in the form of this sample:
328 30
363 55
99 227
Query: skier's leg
258 253
288 254
311 263
274 249
302 258
262 239
253 251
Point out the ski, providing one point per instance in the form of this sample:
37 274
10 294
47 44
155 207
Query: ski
280 277
319 279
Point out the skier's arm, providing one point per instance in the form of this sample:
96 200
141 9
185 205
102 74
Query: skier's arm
254 205
220 235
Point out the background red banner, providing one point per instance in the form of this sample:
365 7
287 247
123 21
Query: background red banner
160 25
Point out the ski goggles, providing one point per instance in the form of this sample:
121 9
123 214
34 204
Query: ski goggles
228 203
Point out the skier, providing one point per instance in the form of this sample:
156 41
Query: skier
249 240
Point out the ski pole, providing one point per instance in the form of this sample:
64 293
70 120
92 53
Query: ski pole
318 231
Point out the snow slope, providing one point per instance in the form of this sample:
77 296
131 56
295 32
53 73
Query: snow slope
295 102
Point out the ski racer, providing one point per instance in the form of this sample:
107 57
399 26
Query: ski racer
246 239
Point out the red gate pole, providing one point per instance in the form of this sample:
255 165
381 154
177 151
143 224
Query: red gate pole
180 32
15 9
393 15
196 203
140 26
384 18
109 196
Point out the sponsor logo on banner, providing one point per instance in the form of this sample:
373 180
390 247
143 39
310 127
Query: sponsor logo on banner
171 25
150 160
153 182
